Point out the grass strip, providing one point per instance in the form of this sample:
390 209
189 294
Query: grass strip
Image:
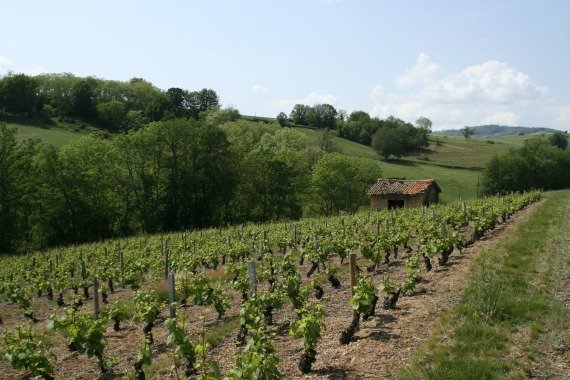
510 302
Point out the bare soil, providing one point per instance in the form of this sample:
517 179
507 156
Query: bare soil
383 345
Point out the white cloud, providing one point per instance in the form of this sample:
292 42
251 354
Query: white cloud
7 64
5 61
377 92
32 70
422 72
311 99
488 93
259 89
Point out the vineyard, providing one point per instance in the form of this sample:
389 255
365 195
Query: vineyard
244 302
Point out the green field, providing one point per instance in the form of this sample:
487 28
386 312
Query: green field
472 153
456 183
56 133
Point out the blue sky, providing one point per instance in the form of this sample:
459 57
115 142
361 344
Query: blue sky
455 62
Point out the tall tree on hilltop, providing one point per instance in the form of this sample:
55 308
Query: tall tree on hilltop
19 94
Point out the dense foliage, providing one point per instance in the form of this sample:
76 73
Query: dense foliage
114 105
170 175
539 164
389 137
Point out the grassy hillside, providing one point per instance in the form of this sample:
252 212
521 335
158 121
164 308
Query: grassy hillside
499 130
57 133
455 182
472 153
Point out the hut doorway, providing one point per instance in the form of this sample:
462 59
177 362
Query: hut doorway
394 203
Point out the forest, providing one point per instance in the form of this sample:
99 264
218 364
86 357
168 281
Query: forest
171 175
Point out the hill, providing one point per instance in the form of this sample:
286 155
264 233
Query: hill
454 162
456 181
57 132
498 130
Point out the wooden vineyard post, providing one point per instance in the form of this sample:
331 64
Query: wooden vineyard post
96 297
295 235
83 270
352 258
171 295
122 262
316 246
252 278
166 263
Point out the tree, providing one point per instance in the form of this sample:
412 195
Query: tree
266 190
388 142
299 114
358 115
322 116
324 140
535 165
282 119
19 94
82 99
559 140
176 98
79 191
134 120
16 188
208 100
339 183
467 132
218 117
111 114
424 123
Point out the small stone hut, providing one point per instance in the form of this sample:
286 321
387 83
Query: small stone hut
392 193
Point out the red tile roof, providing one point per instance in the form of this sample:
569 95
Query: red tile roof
402 187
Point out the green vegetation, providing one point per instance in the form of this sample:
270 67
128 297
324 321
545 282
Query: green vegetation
456 182
113 105
513 290
454 151
170 175
494 130
57 132
539 164
278 249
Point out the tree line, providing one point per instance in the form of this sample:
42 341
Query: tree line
169 175
114 105
389 137
541 163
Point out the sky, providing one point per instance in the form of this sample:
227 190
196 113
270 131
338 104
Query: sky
456 62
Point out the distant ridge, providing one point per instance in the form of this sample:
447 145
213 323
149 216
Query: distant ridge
498 130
